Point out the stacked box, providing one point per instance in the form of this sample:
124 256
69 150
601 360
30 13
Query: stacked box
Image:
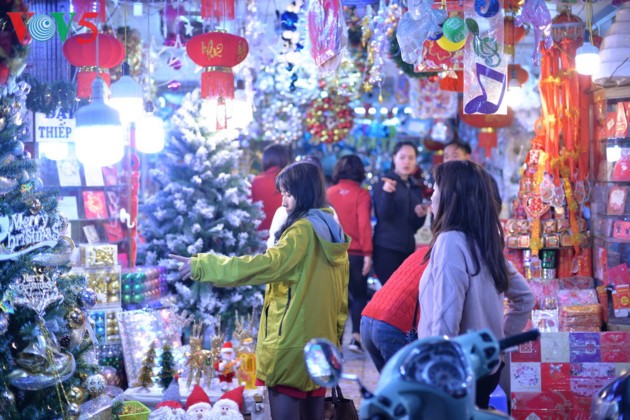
557 376
99 266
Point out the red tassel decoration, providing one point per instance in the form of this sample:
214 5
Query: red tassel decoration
217 82
218 9
488 139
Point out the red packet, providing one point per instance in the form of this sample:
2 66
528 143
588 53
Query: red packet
556 376
621 300
621 230
527 352
617 200
94 205
621 127
618 275
611 122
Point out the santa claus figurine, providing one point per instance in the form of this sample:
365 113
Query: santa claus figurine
227 366
170 408
228 407
197 404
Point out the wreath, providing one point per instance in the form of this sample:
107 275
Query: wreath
281 121
47 98
329 119
408 69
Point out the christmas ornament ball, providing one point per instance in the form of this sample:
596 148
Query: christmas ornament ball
455 29
4 323
87 297
73 411
77 395
95 384
75 318
35 206
110 375
64 341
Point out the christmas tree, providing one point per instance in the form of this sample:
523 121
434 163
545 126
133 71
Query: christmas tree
145 377
167 366
43 347
202 205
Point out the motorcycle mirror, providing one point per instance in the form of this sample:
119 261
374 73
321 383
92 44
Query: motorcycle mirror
323 362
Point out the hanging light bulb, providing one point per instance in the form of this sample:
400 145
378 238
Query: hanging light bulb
98 135
514 93
150 132
126 97
587 57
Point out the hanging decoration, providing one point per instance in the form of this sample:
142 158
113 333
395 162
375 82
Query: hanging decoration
427 100
329 119
376 34
536 14
13 53
327 32
485 69
217 53
418 24
49 98
132 41
217 9
82 54
408 69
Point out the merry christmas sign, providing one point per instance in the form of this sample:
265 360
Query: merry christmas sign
22 232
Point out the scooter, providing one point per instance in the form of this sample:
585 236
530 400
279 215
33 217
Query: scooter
432 378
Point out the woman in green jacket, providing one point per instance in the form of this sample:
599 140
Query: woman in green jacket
306 273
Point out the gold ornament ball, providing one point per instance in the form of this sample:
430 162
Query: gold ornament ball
113 287
73 411
35 206
77 395
75 318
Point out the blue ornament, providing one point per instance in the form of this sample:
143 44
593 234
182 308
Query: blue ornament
4 323
288 21
18 149
87 298
38 184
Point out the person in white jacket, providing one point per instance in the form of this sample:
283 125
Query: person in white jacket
467 277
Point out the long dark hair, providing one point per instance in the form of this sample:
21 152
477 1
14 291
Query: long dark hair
467 203
349 167
305 182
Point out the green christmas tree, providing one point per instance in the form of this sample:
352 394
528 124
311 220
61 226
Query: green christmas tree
36 291
167 366
203 205
145 377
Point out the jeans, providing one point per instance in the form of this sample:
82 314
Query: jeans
357 291
381 340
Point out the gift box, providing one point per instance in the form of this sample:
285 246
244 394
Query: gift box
618 275
105 326
579 297
527 352
584 347
555 347
97 256
105 282
545 292
143 286
555 376
621 300
580 318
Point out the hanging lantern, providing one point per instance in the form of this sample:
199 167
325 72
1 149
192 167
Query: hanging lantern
566 26
217 52
82 54
488 123
218 9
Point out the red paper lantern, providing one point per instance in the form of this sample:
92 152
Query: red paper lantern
218 9
488 125
82 54
217 52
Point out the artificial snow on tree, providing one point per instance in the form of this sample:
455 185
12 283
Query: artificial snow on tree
167 366
203 205
145 378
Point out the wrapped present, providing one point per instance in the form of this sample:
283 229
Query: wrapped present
545 292
579 297
555 376
96 256
576 283
546 320
580 318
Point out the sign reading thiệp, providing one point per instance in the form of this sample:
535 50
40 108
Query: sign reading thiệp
55 127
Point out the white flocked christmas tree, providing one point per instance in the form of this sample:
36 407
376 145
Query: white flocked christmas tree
202 204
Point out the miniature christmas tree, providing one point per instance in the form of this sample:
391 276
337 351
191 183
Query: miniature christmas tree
145 379
203 205
167 366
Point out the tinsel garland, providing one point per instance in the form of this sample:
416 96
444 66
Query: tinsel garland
47 98
408 69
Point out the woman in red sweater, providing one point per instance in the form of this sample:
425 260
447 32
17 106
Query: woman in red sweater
353 206
275 157
393 311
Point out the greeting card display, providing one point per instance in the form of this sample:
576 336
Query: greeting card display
617 200
94 205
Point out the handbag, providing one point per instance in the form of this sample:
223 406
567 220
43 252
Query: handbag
339 408
412 334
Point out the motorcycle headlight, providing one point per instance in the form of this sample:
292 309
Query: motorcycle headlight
439 364
611 402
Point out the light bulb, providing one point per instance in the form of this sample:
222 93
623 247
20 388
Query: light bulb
587 59
150 134
514 93
613 153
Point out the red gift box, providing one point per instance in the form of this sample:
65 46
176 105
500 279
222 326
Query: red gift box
527 352
615 347
547 401
618 275
555 376
540 414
